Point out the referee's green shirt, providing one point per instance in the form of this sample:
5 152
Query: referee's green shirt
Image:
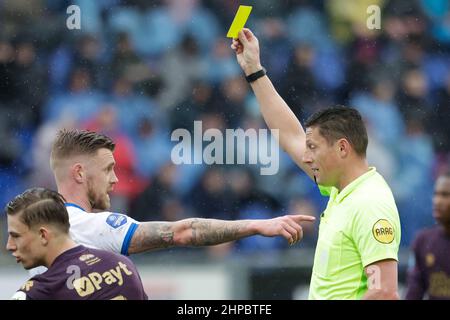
359 226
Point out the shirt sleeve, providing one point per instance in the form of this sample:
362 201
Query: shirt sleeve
19 295
105 230
415 281
376 232
29 291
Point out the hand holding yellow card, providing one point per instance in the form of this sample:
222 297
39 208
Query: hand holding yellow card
239 21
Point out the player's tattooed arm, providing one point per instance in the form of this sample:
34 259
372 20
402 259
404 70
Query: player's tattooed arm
151 235
188 232
209 232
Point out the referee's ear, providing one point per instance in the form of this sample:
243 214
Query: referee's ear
343 148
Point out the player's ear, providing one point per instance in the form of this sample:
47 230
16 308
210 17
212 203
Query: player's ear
43 235
78 172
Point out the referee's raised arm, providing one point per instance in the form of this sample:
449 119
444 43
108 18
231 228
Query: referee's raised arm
274 109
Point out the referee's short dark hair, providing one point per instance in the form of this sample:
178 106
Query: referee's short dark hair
40 206
341 122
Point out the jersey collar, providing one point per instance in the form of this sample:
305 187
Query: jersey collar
354 184
69 204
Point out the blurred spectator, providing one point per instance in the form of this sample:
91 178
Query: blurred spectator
200 102
441 119
379 108
152 147
159 201
276 50
131 107
412 185
81 100
6 70
10 148
92 12
307 25
181 68
300 87
128 64
429 273
364 54
222 63
88 57
29 82
246 193
124 56
381 155
412 96
209 198
231 101
179 18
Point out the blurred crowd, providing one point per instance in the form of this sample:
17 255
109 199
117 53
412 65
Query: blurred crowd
139 69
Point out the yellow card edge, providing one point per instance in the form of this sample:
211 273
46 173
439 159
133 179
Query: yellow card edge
238 18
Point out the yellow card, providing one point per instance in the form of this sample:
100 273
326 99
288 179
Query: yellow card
239 21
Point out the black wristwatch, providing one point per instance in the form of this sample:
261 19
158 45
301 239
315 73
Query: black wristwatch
256 75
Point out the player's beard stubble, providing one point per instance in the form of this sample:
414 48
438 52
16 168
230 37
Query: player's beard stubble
99 200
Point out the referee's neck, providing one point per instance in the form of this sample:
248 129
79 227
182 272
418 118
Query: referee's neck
353 171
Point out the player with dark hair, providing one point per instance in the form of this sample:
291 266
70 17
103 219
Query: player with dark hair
359 234
429 276
38 228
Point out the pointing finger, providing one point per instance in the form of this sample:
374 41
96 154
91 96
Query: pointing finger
300 217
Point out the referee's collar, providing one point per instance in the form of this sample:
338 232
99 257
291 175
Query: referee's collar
70 204
354 184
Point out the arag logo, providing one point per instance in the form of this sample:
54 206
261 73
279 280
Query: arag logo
383 231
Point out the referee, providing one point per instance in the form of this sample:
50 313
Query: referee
359 235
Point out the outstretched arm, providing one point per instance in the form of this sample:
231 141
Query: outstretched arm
274 109
208 232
